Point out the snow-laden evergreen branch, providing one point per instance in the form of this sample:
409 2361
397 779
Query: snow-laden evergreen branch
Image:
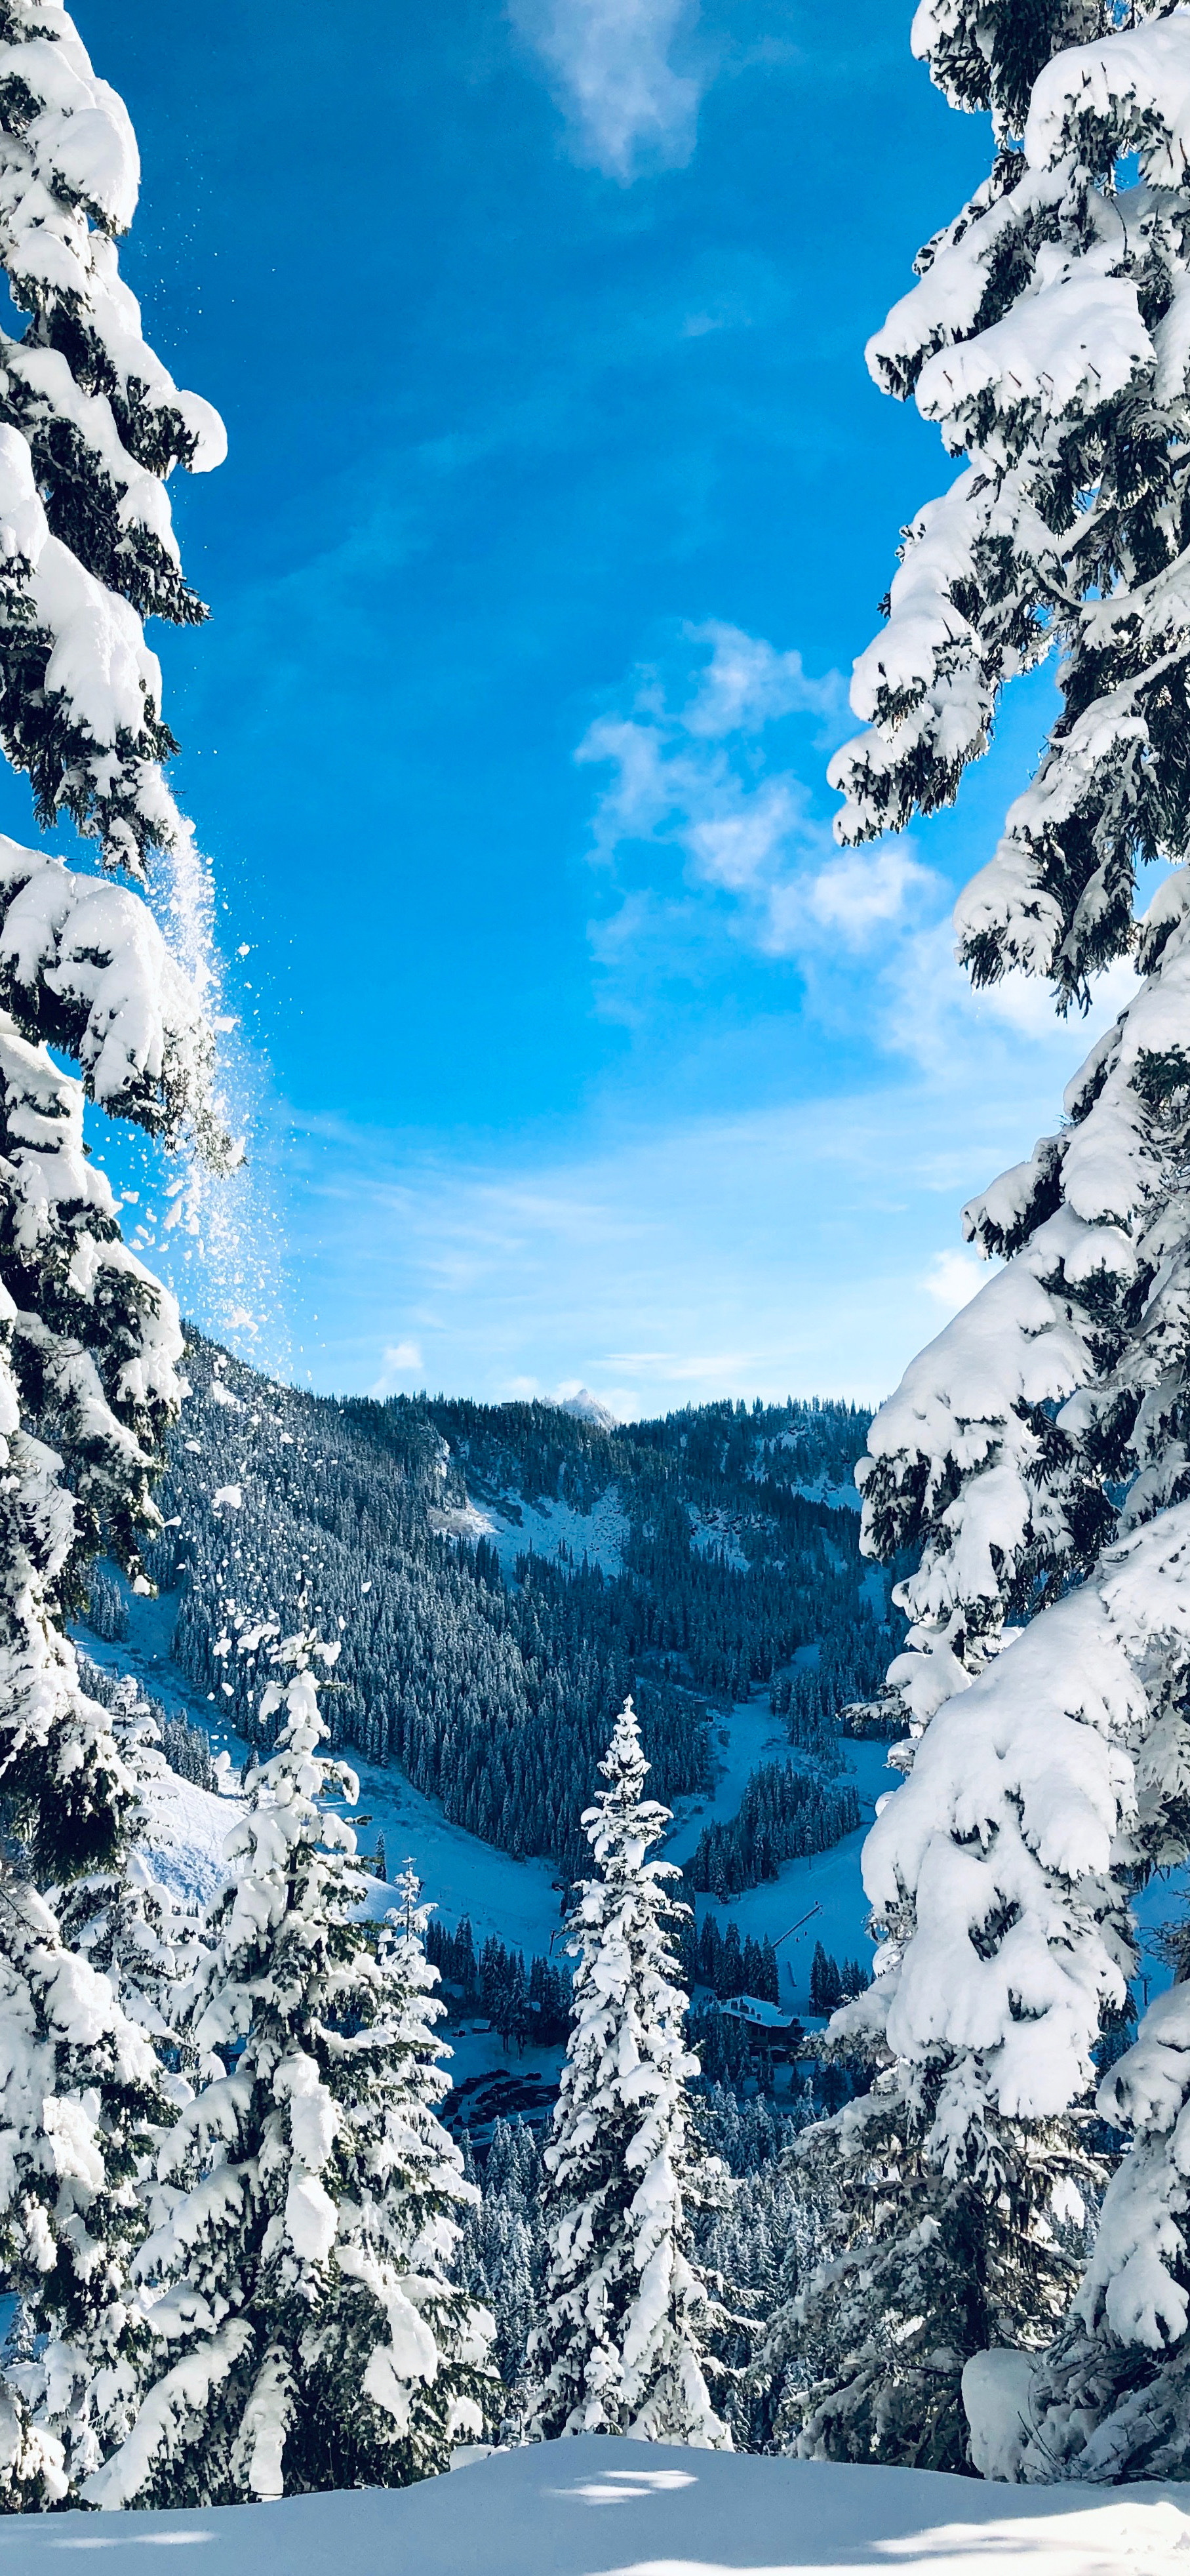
1110 2401
1049 338
81 2101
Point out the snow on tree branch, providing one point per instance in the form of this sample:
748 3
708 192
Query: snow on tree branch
1049 338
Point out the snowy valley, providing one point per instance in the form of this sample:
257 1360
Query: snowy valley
373 1509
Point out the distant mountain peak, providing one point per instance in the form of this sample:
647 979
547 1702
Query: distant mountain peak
586 1407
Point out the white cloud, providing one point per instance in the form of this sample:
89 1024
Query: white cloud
610 61
811 1246
932 1014
862 891
402 1361
646 788
747 682
954 1278
743 845
704 836
693 779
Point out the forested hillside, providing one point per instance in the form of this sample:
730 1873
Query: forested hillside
500 1577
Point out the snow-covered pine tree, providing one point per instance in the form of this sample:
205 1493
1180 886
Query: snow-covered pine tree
143 1936
1048 336
299 2278
1111 2400
81 2107
90 424
623 2343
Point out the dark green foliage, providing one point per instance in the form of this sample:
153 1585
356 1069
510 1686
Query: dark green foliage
723 1962
723 2048
731 1967
503 2256
832 1985
188 1752
784 1814
845 1669
493 1694
522 2006
107 1610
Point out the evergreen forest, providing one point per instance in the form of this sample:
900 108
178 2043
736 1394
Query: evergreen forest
487 1676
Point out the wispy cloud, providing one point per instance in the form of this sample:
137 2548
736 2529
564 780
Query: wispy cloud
747 683
401 1370
809 1246
953 1279
696 780
611 64
707 836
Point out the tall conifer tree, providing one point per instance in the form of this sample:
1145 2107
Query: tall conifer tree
307 2330
1047 337
90 425
623 2345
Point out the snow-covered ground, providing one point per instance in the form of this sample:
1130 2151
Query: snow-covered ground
544 1527
185 1836
598 2507
514 1899
740 1741
827 1888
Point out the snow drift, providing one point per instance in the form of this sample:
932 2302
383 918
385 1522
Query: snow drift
595 2505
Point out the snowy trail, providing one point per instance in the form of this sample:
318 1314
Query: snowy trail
515 1899
599 2507
742 1739
827 1887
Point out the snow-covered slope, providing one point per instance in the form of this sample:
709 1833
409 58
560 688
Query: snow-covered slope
185 1831
598 2507
546 1527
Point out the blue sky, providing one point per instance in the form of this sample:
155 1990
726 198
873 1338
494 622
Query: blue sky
558 502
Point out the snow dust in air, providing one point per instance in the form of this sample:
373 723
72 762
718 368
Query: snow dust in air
220 1239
